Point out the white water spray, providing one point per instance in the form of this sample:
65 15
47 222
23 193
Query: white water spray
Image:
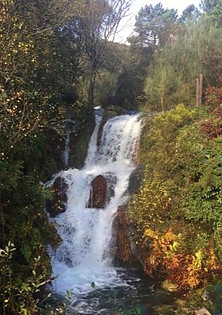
84 256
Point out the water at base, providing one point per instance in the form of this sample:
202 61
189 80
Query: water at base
84 256
136 291
116 299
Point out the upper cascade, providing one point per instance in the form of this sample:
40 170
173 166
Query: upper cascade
118 143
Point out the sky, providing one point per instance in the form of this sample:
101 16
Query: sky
126 27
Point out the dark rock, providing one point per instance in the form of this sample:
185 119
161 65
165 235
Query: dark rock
59 197
111 183
135 180
122 252
79 141
100 132
98 193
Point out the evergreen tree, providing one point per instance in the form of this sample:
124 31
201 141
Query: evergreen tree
155 26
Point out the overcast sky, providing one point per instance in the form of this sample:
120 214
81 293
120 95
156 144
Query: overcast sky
127 24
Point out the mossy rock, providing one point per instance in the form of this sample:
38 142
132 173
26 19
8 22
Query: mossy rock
113 111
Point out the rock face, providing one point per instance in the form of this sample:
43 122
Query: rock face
79 140
98 193
135 179
122 249
59 199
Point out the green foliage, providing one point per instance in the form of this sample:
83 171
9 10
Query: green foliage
203 201
16 294
25 265
181 191
129 87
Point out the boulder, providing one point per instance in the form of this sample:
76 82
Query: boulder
58 202
122 248
98 193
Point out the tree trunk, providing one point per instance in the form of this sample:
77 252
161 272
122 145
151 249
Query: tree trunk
201 89
91 87
197 92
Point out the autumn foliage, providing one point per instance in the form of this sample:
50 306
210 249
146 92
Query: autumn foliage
186 270
213 126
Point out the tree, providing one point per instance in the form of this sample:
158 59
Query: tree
209 5
190 14
117 56
130 83
155 26
95 27
32 59
19 116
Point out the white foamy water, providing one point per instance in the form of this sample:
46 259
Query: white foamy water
84 255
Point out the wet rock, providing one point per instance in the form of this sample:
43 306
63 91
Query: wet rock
122 248
98 193
100 132
111 183
79 139
135 179
202 311
58 202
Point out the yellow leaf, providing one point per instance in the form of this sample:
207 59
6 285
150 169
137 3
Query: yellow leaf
199 258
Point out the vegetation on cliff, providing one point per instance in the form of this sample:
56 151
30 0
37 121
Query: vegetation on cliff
176 217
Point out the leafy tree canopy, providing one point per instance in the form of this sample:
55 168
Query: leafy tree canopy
155 25
190 14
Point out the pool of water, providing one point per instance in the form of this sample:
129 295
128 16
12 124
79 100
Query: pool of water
138 295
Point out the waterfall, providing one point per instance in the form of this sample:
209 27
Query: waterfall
66 149
84 255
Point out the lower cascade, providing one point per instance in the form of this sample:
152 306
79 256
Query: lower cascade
84 256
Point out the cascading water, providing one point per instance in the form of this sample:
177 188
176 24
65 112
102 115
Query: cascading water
67 149
84 255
